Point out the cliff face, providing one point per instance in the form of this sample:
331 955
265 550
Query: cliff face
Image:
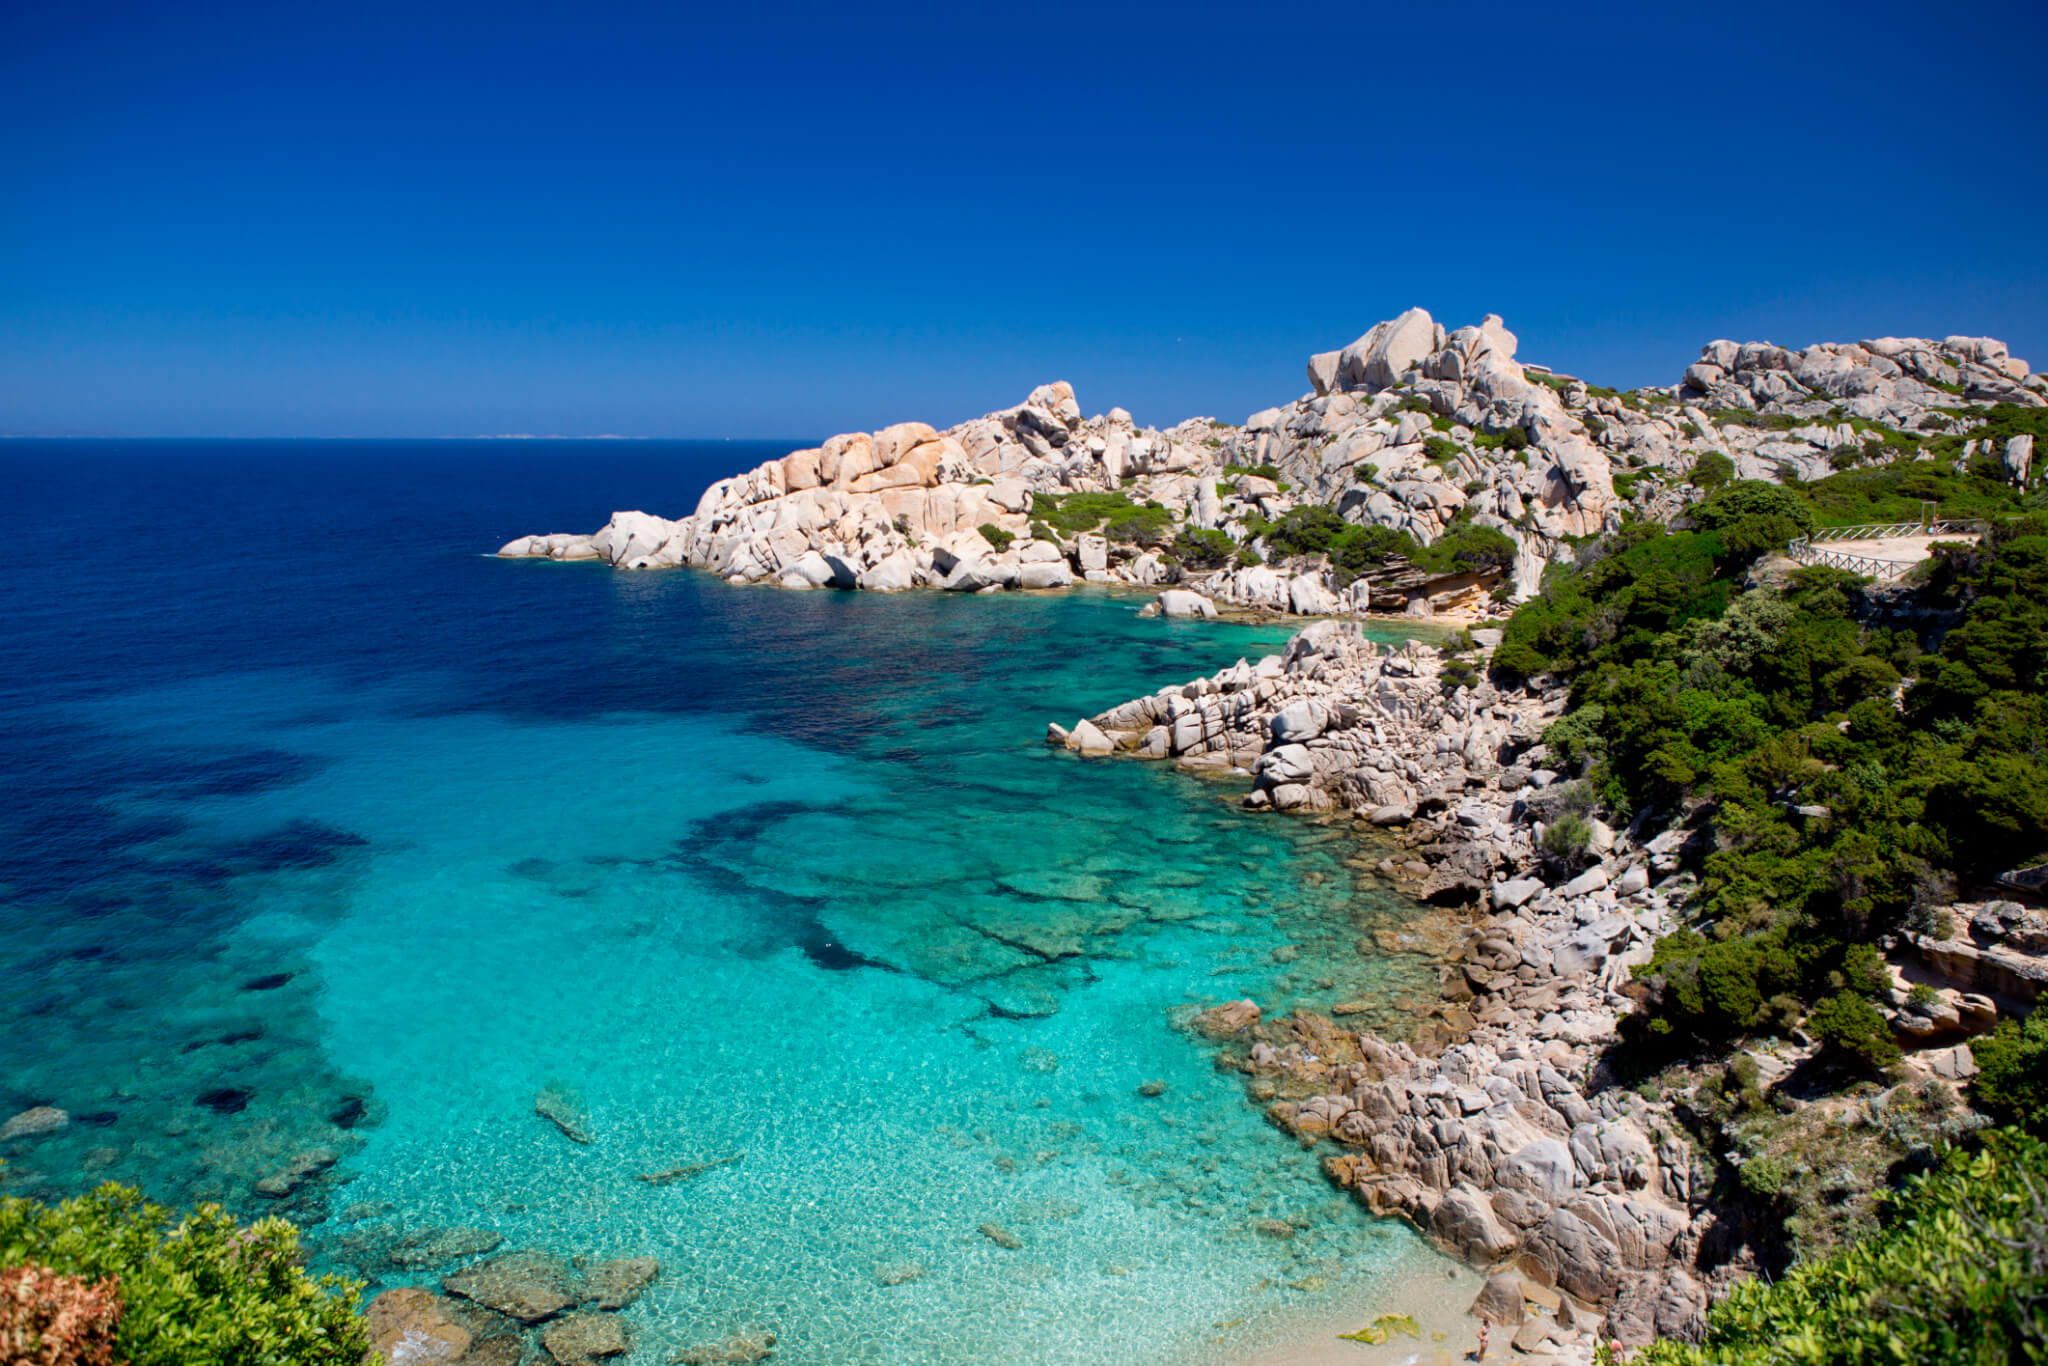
1411 428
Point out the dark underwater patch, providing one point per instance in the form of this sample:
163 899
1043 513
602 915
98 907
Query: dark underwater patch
295 844
225 1100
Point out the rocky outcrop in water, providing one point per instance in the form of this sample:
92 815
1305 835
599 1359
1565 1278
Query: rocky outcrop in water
909 506
1412 427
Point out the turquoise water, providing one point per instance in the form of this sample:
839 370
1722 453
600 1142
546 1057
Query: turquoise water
787 882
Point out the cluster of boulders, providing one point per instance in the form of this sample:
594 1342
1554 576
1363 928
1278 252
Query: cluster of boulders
1391 436
1337 720
1891 380
912 507
517 1307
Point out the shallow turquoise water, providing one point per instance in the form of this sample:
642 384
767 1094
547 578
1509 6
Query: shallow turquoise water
790 879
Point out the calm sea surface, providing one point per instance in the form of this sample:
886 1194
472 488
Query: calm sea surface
321 829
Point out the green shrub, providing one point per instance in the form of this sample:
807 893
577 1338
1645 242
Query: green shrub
2012 1080
1316 530
1196 548
1468 548
193 1289
1568 838
1764 1177
1852 1026
996 536
1071 513
1456 674
1712 470
1754 516
1958 1274
1147 524
1440 450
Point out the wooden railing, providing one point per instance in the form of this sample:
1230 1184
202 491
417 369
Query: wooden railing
1878 531
1806 549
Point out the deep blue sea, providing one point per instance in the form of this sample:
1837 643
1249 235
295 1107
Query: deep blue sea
321 828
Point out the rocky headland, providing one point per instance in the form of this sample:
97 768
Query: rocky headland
1417 430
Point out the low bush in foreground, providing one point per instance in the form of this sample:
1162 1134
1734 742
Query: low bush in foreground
1957 1274
173 1290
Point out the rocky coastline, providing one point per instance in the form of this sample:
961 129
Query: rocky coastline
1495 1127
1481 1129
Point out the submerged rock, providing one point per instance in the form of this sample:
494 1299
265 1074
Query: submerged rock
439 1246
616 1284
1232 1017
1001 1236
530 1286
303 1167
414 1327
563 1108
43 1119
581 1338
737 1350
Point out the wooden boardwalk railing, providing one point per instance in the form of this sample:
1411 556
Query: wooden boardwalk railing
1806 549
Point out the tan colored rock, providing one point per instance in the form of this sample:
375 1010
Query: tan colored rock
581 1338
616 1284
1499 1301
529 1286
1230 1018
902 476
413 1327
892 444
846 458
800 470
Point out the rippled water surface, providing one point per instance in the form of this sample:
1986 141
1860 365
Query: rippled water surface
320 830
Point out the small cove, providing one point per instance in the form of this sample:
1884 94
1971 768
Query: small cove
397 835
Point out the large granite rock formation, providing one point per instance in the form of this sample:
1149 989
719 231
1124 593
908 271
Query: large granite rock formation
1412 427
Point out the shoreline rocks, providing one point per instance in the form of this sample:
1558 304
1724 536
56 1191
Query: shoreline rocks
1483 1133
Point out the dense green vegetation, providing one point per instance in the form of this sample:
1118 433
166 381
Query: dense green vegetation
1958 1274
1845 778
2013 1083
1770 714
996 536
190 1289
1202 550
1464 548
1233 473
1114 514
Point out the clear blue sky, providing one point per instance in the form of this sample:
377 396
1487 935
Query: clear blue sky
772 219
